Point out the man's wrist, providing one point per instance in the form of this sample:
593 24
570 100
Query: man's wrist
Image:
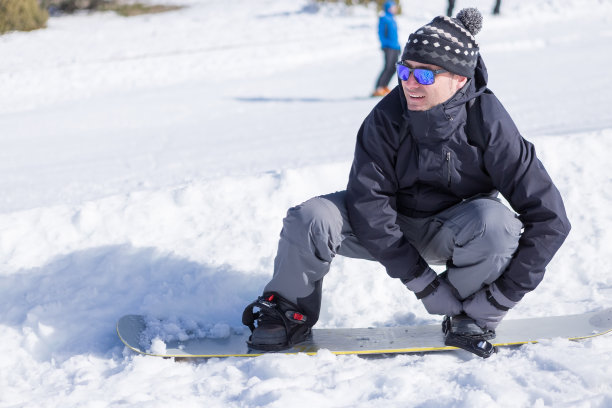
421 282
498 299
429 289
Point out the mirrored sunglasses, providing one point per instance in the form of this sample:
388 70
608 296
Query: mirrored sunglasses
423 76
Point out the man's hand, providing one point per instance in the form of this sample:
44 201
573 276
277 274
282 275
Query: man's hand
435 293
442 301
488 307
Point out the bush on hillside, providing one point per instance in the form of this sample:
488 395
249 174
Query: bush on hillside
70 6
21 15
125 8
379 3
136 9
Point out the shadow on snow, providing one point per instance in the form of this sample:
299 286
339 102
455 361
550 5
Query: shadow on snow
71 305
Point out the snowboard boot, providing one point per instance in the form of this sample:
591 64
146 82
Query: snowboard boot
463 332
279 323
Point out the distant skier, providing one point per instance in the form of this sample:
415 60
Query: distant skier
496 7
429 162
451 6
387 34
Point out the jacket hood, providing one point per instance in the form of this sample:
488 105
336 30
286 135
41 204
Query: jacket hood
438 123
473 88
388 5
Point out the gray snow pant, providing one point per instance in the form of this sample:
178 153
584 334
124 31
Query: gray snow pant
475 239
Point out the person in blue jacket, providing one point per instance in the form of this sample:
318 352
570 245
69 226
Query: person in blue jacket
430 161
387 34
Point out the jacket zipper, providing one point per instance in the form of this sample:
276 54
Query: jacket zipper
448 167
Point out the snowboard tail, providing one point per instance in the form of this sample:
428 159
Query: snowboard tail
369 341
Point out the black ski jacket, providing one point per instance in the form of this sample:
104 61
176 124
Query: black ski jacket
420 163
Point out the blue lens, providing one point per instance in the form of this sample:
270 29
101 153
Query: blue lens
424 76
403 72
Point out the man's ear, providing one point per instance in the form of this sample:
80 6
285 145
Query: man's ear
461 80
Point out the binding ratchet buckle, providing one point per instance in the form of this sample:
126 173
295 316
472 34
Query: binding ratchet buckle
461 331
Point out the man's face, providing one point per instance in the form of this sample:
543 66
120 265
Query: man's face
424 97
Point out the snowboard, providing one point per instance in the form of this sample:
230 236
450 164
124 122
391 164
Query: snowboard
366 341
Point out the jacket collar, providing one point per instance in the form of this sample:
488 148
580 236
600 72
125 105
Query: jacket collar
440 122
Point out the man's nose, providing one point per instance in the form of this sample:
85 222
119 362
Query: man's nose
411 82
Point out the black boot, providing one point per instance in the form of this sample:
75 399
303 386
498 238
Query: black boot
463 332
279 323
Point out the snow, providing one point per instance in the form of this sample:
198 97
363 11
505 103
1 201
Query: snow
147 164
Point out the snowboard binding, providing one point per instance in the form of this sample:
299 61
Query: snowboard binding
463 332
279 324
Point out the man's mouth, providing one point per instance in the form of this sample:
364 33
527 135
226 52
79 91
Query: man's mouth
414 96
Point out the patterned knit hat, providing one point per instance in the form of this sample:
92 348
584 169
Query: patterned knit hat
447 42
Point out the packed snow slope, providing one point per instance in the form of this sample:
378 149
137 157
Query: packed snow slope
147 164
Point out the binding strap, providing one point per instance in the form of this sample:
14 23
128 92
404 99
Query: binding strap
249 316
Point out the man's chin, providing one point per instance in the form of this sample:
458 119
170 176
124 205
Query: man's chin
417 107
416 104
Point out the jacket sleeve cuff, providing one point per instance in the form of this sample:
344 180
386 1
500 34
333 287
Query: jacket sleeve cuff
498 299
419 283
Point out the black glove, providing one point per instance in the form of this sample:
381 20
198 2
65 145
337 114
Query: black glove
488 306
435 293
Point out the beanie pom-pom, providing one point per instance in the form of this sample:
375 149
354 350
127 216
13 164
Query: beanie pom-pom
471 19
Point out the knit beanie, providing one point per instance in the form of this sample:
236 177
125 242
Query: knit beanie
447 42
